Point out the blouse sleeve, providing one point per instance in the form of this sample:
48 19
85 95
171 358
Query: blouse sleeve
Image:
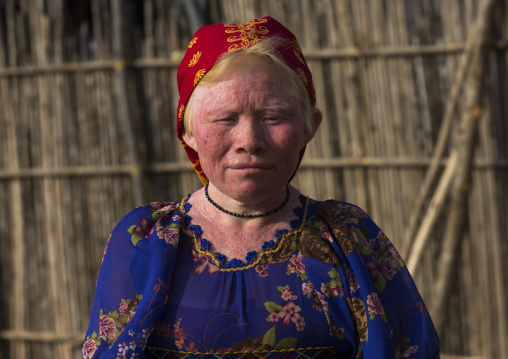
133 282
390 316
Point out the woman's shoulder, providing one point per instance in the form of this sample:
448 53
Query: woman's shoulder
347 218
142 221
344 206
344 211
148 213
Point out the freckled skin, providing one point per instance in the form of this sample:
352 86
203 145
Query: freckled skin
248 132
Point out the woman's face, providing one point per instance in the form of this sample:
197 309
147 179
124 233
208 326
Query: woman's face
248 132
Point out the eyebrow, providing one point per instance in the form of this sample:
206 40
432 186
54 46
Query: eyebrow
284 106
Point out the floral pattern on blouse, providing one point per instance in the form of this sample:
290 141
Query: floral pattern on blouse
333 285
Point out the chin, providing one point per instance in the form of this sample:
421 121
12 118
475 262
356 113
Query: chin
252 190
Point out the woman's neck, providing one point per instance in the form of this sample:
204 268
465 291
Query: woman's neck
248 208
235 236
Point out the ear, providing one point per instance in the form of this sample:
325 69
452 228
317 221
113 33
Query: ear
190 141
316 118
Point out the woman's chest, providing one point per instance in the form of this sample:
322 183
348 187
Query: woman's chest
262 308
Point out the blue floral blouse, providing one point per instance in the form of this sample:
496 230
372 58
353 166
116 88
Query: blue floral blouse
331 287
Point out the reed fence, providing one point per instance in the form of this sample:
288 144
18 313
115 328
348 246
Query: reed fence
415 99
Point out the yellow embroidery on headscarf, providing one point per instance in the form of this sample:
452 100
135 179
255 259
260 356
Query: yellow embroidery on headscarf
200 173
202 178
192 42
195 59
181 110
296 45
198 76
249 34
302 75
298 57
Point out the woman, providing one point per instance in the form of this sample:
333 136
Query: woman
247 265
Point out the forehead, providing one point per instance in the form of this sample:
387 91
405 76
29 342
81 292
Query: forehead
251 81
257 71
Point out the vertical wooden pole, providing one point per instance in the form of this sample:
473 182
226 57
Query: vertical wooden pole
466 144
39 23
16 303
350 136
61 251
121 94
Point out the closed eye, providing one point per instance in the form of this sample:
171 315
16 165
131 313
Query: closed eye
227 120
273 119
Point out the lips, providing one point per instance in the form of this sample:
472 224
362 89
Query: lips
250 166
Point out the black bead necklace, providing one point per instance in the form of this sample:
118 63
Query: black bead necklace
246 215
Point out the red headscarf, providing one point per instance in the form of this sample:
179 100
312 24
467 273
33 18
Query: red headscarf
211 41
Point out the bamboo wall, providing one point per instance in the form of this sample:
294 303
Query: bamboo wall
88 97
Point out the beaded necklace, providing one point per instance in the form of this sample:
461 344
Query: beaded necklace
234 214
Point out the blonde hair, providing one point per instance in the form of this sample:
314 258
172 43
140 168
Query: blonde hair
267 51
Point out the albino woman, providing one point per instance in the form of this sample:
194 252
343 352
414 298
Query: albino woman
247 266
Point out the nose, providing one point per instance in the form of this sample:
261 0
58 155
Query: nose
250 136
